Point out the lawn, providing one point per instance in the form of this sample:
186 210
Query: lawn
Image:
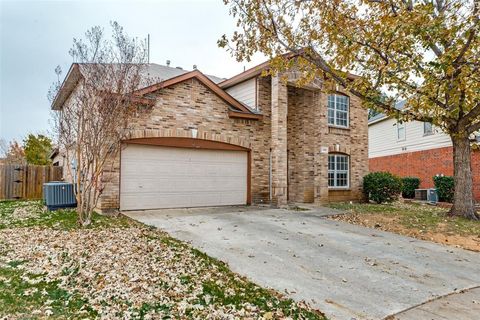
118 268
415 220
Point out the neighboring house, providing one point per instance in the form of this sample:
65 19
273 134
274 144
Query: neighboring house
415 149
249 139
57 158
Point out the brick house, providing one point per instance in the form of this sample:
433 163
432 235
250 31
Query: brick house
250 139
414 149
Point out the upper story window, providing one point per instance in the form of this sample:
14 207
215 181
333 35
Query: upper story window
338 109
401 135
427 128
338 171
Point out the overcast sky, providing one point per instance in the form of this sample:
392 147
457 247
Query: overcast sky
35 37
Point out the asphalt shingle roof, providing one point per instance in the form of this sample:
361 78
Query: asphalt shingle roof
159 73
399 106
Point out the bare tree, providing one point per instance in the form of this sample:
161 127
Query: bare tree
95 118
12 153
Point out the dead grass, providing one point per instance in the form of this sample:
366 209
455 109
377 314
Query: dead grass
415 220
119 269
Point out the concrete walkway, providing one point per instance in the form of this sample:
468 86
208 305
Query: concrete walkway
459 305
347 271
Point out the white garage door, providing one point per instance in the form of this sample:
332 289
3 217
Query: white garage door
155 177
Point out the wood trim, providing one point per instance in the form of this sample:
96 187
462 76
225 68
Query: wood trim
249 177
256 95
166 83
236 114
255 71
244 76
66 88
196 144
180 142
204 80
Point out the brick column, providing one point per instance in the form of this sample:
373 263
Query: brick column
320 159
279 141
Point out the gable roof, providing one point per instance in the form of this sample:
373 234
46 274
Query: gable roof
258 69
164 76
238 110
382 116
245 75
160 73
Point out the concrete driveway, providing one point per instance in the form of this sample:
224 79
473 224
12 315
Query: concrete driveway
347 271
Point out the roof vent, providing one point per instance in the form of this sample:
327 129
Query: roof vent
168 63
194 67
179 68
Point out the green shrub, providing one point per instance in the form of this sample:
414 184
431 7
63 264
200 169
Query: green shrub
382 187
445 188
409 184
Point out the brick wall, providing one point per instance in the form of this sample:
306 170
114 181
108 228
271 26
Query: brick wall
426 164
298 123
308 132
190 105
301 146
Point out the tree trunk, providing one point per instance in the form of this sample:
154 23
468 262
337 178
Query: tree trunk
463 204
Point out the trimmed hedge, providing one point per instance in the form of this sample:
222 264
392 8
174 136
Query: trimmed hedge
445 188
382 187
409 184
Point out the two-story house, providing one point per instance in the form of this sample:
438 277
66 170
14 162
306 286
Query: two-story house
414 149
208 141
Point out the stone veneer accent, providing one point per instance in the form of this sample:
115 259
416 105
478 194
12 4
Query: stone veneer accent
294 119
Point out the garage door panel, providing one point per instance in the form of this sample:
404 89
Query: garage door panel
200 184
165 177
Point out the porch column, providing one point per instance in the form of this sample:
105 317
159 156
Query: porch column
279 141
320 149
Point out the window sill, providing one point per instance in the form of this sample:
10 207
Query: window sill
338 127
428 134
339 189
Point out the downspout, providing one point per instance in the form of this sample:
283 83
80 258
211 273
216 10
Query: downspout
270 175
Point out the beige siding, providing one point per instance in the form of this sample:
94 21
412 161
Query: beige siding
245 92
382 138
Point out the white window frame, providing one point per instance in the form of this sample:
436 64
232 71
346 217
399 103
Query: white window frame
335 171
425 132
401 125
336 111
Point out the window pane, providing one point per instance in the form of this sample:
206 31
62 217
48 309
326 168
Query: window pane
331 179
342 118
331 116
342 179
331 101
331 163
342 103
427 128
342 163
401 133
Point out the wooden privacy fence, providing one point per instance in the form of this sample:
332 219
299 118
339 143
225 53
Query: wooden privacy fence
26 181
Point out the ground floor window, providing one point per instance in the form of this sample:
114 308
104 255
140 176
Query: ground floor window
338 171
